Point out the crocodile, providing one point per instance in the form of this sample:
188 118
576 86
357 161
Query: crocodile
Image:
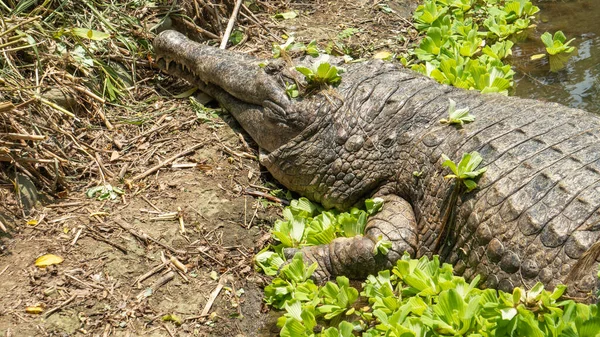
534 216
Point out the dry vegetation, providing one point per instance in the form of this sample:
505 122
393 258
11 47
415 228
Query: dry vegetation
83 109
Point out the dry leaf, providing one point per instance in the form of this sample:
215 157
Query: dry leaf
47 260
382 55
34 310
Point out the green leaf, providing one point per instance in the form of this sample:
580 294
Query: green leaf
286 15
90 34
457 116
305 71
547 40
269 261
236 37
466 170
382 246
447 162
373 205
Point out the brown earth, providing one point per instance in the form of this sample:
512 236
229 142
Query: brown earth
107 246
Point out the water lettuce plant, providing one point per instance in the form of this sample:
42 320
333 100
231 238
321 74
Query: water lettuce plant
321 73
466 171
557 49
466 42
457 116
421 298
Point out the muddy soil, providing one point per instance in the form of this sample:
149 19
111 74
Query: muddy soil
117 277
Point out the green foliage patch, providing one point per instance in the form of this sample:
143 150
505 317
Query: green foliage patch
418 297
421 298
467 41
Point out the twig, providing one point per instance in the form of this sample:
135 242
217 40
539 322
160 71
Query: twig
6 106
167 162
238 154
19 136
230 24
145 237
60 306
178 264
108 242
3 228
200 30
66 204
181 224
140 279
159 283
252 218
212 258
151 204
168 330
212 297
141 237
76 237
92 285
266 196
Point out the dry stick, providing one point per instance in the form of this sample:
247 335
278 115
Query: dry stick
108 242
212 258
166 162
159 283
230 24
140 279
266 196
212 297
181 223
26 160
151 204
6 106
92 285
76 237
131 231
253 18
3 228
62 305
145 237
19 136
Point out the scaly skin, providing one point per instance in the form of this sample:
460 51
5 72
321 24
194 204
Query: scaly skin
534 215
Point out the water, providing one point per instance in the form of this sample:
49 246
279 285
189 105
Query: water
578 84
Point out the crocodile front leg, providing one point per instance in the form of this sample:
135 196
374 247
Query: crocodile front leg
355 257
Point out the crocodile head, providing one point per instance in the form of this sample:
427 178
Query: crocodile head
253 94
309 144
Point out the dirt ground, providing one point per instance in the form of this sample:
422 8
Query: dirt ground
118 277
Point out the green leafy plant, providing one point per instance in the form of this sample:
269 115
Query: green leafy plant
348 32
203 113
422 297
557 49
322 73
457 116
291 89
466 170
104 192
337 298
236 37
465 41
